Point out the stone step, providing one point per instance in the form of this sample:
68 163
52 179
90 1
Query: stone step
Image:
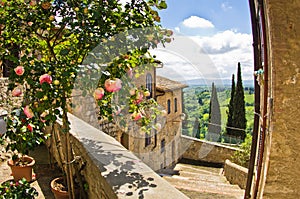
206 180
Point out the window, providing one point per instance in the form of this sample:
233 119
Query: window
169 106
162 145
147 139
149 84
155 138
175 105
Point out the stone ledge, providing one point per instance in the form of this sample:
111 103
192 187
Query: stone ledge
202 150
236 174
112 171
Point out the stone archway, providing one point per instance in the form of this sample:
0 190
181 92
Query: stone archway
279 116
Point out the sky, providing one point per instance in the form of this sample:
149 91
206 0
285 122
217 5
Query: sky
210 38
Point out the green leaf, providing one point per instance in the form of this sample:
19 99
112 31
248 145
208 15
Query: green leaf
163 5
64 52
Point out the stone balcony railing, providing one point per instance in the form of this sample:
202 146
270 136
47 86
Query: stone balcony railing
112 171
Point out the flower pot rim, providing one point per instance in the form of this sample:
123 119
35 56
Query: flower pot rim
52 185
11 163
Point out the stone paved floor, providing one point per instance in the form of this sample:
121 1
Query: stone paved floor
44 173
203 182
197 182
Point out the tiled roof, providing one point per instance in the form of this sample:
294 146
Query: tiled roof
165 84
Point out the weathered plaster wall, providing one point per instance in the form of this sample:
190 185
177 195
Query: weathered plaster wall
195 149
283 168
110 170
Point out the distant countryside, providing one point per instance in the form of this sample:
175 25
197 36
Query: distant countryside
196 108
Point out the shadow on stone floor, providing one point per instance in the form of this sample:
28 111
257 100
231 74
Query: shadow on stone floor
42 170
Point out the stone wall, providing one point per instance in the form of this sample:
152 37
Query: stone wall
200 150
7 102
110 170
236 174
281 172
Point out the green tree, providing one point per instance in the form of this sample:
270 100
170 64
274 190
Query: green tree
239 112
214 126
196 129
55 38
229 131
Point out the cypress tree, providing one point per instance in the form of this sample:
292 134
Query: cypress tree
214 126
239 113
196 129
230 109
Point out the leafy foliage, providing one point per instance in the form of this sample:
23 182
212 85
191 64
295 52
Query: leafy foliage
19 189
55 37
24 133
49 41
242 156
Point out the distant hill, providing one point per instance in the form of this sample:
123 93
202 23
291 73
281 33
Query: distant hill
220 82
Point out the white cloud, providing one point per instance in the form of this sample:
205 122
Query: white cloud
225 6
215 57
225 41
228 48
197 22
177 29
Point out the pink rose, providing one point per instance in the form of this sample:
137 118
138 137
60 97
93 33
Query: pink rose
136 116
139 97
19 70
32 3
113 85
45 78
16 92
28 112
99 93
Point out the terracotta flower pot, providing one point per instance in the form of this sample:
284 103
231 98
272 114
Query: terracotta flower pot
58 193
22 171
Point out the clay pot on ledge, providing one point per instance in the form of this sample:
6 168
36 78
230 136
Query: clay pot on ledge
57 188
22 168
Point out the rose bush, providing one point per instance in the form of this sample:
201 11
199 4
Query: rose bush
48 41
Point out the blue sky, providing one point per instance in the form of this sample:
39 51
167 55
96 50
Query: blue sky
224 14
215 36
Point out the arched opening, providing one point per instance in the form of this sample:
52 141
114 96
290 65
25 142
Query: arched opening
149 83
260 57
260 63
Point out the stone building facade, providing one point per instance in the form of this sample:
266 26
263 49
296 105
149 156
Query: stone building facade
160 148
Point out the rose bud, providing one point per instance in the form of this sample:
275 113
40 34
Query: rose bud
113 85
28 112
99 93
19 70
45 78
16 92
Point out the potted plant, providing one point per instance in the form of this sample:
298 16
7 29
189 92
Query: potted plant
18 189
22 135
55 37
